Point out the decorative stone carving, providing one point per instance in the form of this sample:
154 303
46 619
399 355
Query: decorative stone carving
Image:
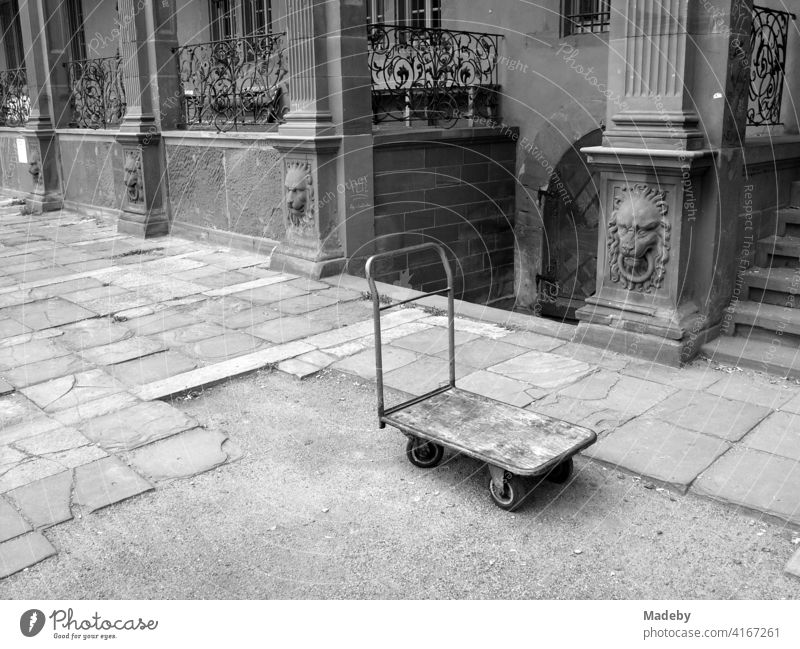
133 176
638 238
299 194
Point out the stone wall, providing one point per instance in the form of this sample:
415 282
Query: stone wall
91 171
14 175
226 184
455 188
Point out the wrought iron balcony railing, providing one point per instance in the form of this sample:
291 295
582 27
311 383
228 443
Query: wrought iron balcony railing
15 103
439 76
234 82
97 92
767 66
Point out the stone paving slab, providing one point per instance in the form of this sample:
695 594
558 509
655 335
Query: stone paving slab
532 341
70 391
159 322
155 367
44 314
192 333
124 350
432 341
224 347
5 387
768 392
31 427
106 482
269 294
483 352
9 327
30 352
710 414
754 480
28 471
23 552
691 377
33 373
16 409
778 434
363 363
659 450
304 303
298 369
45 502
63 438
11 523
424 374
543 370
499 388
93 333
136 426
793 566
95 408
180 456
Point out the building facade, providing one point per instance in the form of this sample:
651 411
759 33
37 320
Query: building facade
611 162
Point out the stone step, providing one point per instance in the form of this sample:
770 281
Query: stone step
777 286
788 221
778 251
769 317
754 354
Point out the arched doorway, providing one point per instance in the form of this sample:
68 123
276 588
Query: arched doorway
571 214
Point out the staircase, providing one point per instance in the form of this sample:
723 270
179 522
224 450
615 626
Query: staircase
762 329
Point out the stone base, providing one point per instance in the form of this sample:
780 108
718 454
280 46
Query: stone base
644 345
39 204
143 225
282 262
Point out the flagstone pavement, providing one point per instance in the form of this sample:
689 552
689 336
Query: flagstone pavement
98 330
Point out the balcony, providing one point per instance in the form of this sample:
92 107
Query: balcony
15 103
770 35
233 83
97 92
440 77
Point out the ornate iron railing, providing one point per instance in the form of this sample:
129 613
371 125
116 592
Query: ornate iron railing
767 66
439 76
15 103
234 82
97 92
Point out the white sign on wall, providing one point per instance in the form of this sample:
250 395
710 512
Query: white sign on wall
22 150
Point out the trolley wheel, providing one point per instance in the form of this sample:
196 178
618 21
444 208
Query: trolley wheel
512 494
561 472
423 453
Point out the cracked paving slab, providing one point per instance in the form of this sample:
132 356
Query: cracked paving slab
45 502
71 391
180 456
44 314
106 482
543 370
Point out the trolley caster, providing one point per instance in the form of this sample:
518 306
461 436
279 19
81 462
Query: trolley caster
508 491
423 453
561 473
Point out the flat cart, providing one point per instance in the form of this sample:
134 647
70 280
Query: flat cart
519 446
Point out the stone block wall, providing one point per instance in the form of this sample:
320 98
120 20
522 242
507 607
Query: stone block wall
226 185
14 175
91 172
455 188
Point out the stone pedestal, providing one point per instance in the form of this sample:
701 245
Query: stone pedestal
143 212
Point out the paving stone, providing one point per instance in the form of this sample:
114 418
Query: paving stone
483 329
692 377
307 284
63 289
793 405
596 356
5 387
759 481
105 482
543 370
189 334
11 523
170 265
297 368
95 294
612 391
659 450
318 358
159 322
45 502
289 328
224 347
70 391
250 317
710 414
531 340
53 368
304 304
23 552
16 409
483 352
136 426
30 352
27 472
269 294
44 314
762 391
590 414
9 457
431 341
363 363
497 387
124 350
93 333
25 429
425 374
195 451
778 434
217 310
229 260
112 304
96 408
247 286
76 457
222 278
152 368
793 566
10 328
58 439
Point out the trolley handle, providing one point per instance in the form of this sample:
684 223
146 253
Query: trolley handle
377 308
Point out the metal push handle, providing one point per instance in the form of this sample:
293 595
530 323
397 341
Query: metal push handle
377 308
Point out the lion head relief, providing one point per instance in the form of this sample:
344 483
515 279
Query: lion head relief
638 238
299 187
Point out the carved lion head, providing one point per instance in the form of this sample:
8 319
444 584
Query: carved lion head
299 193
133 175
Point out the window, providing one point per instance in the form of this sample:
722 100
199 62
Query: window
585 16
12 35
77 44
234 18
419 13
376 12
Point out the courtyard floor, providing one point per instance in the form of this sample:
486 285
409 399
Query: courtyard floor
98 331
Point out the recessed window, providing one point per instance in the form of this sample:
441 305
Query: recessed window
585 16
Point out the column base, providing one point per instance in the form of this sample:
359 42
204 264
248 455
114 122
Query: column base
143 226
40 204
286 263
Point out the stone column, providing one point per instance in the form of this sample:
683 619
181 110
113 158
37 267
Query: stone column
45 42
326 141
671 165
148 31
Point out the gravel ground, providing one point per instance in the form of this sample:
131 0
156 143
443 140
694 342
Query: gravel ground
323 504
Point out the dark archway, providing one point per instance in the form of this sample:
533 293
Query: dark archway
571 214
